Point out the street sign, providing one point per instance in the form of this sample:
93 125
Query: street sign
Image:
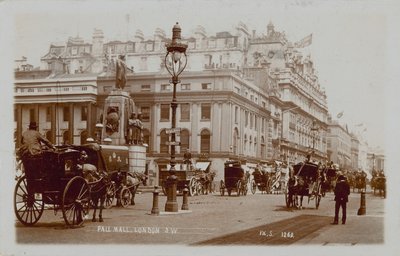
173 143
173 130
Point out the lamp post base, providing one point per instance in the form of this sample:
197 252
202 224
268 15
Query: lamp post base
171 205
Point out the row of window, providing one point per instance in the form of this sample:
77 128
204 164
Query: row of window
205 111
168 87
66 114
41 89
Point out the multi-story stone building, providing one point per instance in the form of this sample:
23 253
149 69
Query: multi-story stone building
339 145
254 98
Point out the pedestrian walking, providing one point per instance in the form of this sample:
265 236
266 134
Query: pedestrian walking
342 191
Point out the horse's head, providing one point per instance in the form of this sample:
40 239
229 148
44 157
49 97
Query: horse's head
141 176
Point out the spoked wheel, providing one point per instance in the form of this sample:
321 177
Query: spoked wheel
222 188
76 201
192 187
239 187
268 186
253 187
27 207
125 197
110 195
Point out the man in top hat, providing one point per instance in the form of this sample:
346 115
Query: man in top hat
342 191
31 141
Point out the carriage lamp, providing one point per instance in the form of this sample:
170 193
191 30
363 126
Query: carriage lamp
175 63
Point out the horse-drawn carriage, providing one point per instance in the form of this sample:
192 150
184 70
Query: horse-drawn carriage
378 183
234 179
261 181
305 181
56 178
123 187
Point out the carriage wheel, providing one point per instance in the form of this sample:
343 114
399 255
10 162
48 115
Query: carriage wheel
110 195
125 197
76 201
268 186
222 188
239 187
253 187
27 208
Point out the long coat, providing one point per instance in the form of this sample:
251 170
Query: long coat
342 191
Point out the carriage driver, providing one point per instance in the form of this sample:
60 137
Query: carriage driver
31 141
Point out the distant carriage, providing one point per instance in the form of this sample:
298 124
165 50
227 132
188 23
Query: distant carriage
305 181
378 183
261 181
235 179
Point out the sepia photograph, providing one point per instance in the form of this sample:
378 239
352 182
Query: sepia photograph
211 127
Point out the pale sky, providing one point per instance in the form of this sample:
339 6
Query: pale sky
350 39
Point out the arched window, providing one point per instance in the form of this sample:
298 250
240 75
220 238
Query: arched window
205 141
84 136
164 148
146 139
235 141
250 143
49 136
184 138
245 142
66 139
262 147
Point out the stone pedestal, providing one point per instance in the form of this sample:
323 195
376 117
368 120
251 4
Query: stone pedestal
117 108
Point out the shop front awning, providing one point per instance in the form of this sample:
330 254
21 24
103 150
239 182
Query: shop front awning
203 166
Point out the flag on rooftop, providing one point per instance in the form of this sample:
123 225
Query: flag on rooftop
339 115
306 41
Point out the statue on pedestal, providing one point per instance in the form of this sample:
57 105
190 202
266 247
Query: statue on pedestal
120 79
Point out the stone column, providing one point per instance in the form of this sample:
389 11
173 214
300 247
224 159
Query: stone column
89 120
71 123
195 120
53 122
19 124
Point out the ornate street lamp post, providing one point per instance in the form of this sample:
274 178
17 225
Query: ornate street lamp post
175 63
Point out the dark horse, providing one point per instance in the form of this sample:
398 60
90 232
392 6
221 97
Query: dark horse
98 192
297 189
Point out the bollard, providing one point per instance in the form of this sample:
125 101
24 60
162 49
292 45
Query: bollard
155 210
362 210
185 205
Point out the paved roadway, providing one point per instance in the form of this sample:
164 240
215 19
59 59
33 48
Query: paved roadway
258 219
